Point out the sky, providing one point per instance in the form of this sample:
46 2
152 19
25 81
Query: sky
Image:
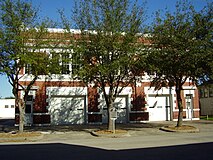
49 8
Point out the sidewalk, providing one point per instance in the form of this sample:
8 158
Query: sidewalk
145 141
82 133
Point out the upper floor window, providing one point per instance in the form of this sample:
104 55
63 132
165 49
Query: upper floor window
201 93
205 92
55 63
61 63
210 92
65 64
28 69
76 58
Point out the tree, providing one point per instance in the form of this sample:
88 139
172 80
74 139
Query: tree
22 39
108 44
181 48
203 23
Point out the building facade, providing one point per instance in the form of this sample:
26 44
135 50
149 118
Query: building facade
7 108
206 98
60 99
71 102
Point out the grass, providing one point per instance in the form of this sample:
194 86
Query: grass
20 135
210 118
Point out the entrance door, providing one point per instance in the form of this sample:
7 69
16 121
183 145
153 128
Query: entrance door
67 110
28 120
159 109
189 106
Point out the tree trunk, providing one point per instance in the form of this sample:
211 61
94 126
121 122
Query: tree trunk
21 115
110 121
180 107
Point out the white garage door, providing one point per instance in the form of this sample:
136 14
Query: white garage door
67 110
158 108
121 104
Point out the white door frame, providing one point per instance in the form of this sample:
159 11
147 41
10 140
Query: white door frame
189 106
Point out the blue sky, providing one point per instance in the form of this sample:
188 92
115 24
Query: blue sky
49 8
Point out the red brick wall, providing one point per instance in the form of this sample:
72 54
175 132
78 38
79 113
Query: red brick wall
142 116
138 102
93 100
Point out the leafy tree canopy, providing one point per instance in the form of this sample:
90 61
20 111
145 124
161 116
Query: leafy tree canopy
22 40
108 43
181 47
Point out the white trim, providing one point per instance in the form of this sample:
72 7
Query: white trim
60 30
193 87
139 121
45 124
94 123
92 113
191 119
63 91
139 111
40 114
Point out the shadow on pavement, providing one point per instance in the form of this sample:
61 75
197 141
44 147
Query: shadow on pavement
65 151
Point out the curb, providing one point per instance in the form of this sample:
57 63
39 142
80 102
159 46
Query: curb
112 135
171 129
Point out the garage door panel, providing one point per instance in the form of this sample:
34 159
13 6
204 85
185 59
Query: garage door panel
121 105
67 110
157 108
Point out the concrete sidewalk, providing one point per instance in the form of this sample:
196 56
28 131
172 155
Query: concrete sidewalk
140 135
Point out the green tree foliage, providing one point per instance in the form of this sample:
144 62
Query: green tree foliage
108 44
181 48
21 41
204 29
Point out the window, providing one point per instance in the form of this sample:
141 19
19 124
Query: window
55 63
12 106
201 93
65 64
30 98
28 69
75 68
205 93
75 63
28 108
6 106
210 92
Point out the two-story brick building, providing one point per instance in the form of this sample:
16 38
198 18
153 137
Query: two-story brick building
61 99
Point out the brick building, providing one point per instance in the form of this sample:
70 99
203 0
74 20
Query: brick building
60 99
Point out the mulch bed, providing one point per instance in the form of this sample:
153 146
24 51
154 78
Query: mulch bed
19 137
111 132
108 133
183 128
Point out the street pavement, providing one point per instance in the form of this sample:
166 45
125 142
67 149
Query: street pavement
145 141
